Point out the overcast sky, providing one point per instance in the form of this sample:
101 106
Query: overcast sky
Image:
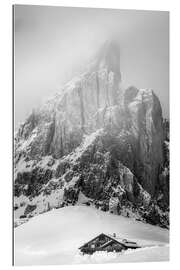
52 44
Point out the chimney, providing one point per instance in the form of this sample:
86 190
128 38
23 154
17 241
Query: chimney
114 234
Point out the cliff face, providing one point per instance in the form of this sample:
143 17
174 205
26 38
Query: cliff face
94 138
80 108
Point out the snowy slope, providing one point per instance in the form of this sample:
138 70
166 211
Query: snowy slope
54 237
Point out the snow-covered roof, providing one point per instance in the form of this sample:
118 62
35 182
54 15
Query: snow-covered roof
124 242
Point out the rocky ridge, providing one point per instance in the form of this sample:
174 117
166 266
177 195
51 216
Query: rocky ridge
97 142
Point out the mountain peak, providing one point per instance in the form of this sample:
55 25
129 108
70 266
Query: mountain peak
108 56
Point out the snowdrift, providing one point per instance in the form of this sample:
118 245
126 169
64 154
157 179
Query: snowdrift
54 237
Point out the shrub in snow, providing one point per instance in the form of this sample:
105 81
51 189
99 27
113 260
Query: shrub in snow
29 208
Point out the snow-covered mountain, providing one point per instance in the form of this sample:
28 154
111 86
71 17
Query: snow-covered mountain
97 140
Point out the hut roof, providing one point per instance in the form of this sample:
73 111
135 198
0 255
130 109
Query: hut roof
124 242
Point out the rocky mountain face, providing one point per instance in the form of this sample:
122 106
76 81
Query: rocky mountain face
95 143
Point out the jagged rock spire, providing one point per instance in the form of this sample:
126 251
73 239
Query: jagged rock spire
108 57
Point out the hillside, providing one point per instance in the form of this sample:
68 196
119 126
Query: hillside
54 238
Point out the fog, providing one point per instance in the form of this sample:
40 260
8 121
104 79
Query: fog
52 44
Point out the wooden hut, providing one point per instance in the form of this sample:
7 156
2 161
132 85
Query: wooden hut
107 242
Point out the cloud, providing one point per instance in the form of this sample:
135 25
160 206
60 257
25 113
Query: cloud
52 44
